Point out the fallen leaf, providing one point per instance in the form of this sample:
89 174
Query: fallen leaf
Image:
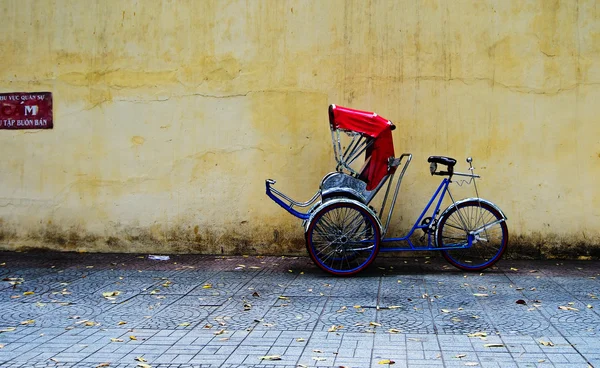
206 286
460 356
317 351
477 334
393 330
116 340
334 328
562 307
28 322
493 345
386 361
271 357
445 311
90 323
1 346
131 337
108 294
521 301
220 332
121 323
283 298
140 359
590 306
375 324
481 295
546 343
103 365
300 339
54 360
143 365
8 329
184 324
471 364
319 359
28 293
514 269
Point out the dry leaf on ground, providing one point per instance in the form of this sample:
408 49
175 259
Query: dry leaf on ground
562 307
477 334
271 357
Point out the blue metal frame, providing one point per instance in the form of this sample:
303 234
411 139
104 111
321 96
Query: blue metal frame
443 187
285 206
440 192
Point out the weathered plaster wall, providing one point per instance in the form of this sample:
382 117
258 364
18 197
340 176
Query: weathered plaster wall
169 115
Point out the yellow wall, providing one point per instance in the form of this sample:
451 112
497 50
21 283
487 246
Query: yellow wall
169 115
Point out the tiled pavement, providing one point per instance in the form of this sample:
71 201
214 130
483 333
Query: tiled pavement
199 311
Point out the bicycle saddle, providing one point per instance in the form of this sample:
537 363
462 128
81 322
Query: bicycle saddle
448 161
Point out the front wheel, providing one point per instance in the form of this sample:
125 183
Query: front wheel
478 223
343 238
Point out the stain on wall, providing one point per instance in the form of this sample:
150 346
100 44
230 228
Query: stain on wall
169 115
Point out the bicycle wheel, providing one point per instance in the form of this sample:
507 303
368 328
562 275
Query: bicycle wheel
343 238
487 246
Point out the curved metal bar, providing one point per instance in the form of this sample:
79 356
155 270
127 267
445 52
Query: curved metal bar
389 217
481 200
344 200
275 194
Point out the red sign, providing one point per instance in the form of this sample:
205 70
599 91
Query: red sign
26 110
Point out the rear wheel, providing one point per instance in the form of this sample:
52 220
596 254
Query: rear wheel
480 222
343 238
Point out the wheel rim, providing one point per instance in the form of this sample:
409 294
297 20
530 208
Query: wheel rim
487 246
343 239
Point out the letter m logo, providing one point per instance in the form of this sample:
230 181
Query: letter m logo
31 110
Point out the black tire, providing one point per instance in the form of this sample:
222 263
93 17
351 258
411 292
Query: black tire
343 238
487 247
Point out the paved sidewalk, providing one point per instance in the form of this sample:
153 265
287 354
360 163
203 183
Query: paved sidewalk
123 310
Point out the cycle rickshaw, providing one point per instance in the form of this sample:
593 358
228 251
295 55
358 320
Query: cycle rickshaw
344 233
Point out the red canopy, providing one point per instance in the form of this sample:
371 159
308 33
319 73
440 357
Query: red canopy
375 126
365 122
